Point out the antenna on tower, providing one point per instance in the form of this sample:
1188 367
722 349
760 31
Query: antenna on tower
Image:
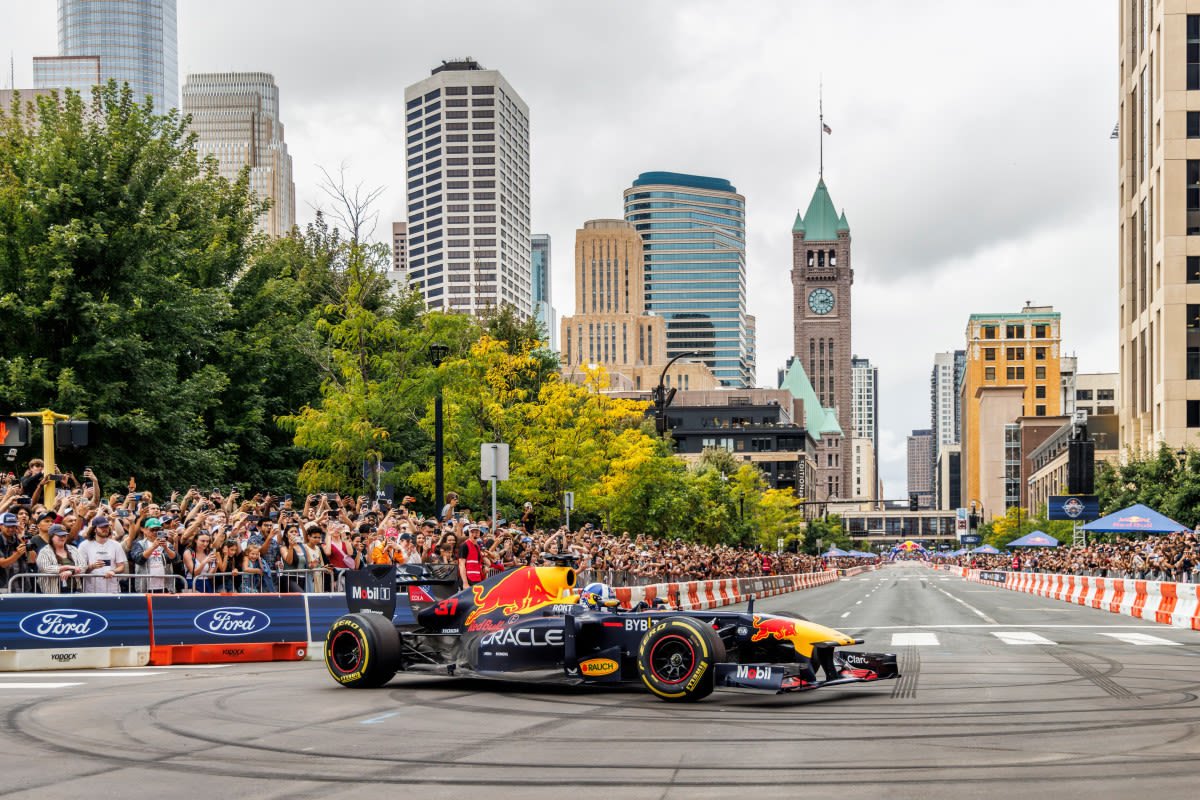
821 130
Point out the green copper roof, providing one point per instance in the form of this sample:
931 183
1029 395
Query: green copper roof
819 421
842 224
821 219
798 225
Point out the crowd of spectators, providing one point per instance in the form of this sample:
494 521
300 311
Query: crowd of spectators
252 541
1172 557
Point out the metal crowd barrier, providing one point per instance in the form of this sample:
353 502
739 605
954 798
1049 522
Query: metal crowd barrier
171 583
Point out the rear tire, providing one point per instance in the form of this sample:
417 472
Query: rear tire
677 659
362 651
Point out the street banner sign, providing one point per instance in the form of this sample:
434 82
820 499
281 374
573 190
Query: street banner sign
1073 507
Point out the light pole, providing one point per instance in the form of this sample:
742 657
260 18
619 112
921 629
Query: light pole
662 398
437 354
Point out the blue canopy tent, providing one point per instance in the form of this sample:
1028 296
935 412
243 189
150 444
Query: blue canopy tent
1135 519
1035 539
833 551
985 549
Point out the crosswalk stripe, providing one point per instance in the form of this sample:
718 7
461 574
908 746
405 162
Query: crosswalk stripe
1021 637
1142 639
915 638
40 685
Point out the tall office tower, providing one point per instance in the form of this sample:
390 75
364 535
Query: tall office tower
131 41
920 467
752 345
945 401
611 326
1013 370
235 116
467 141
1159 303
543 310
694 231
399 266
864 418
821 281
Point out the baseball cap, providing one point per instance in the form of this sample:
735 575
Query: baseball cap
429 523
406 537
527 539
152 523
47 515
8 519
58 530
100 522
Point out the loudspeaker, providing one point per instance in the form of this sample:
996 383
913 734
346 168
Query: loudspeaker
1081 466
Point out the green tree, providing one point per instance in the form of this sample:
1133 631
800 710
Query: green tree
117 248
1166 482
823 533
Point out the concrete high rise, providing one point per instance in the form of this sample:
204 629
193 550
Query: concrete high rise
694 231
1158 173
920 468
235 116
611 326
130 41
543 310
1013 370
821 280
864 418
399 266
467 143
944 399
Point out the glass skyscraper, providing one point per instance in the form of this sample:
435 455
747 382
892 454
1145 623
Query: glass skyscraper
135 41
539 253
693 232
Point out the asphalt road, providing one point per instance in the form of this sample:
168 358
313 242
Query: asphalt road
1003 695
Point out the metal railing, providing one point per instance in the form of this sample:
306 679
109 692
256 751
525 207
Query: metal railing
84 583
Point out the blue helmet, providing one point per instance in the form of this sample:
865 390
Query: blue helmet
598 595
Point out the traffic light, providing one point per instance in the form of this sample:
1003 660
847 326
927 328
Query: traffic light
912 502
1081 466
70 434
14 431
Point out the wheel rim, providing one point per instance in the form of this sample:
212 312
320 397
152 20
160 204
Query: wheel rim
672 659
346 651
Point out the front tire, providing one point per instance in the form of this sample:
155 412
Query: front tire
362 651
677 659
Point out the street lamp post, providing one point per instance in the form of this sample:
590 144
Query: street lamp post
662 398
437 354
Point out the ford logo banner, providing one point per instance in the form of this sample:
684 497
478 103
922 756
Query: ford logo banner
231 621
63 624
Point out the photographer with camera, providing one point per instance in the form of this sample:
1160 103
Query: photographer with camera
13 560
153 554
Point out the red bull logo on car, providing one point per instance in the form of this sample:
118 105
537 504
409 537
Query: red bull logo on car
519 591
782 629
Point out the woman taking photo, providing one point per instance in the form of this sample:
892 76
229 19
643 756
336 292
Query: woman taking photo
229 561
292 560
200 563
60 562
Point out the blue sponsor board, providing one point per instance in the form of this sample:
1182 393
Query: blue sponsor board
73 620
323 611
1073 507
228 619
970 538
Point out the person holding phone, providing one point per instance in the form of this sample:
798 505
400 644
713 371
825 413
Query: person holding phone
152 555
60 563
104 558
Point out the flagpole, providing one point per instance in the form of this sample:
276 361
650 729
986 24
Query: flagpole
821 129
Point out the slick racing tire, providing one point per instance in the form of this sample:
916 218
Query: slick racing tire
362 651
677 659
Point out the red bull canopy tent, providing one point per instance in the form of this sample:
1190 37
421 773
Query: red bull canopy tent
1137 519
1035 539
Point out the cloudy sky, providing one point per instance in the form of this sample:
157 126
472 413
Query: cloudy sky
970 147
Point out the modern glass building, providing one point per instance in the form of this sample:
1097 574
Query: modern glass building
135 41
539 254
693 232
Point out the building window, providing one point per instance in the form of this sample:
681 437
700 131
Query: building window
989 354
1039 392
1193 363
1014 353
1106 394
1039 373
1192 181
989 331
989 373
1193 51
1040 331
1083 394
1039 353
1015 373
1193 124
1014 332
1193 413
1193 317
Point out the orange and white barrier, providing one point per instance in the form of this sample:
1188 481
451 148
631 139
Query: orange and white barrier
702 595
1165 602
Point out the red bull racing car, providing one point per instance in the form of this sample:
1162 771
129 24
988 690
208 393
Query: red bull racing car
531 624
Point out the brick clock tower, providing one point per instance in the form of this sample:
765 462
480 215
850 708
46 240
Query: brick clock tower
821 281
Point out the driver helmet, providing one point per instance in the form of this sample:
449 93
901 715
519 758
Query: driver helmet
598 595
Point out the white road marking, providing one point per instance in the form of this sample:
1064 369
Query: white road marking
95 673
1021 637
380 718
1142 639
41 685
859 603
917 639
845 615
969 607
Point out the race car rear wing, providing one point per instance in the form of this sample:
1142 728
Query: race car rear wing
375 587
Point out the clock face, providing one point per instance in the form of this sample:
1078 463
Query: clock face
820 301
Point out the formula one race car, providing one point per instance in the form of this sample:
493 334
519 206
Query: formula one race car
531 624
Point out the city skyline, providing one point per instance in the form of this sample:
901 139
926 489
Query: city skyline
941 188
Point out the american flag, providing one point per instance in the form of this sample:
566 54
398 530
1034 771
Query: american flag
826 128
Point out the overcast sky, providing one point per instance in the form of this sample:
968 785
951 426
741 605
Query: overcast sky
970 146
